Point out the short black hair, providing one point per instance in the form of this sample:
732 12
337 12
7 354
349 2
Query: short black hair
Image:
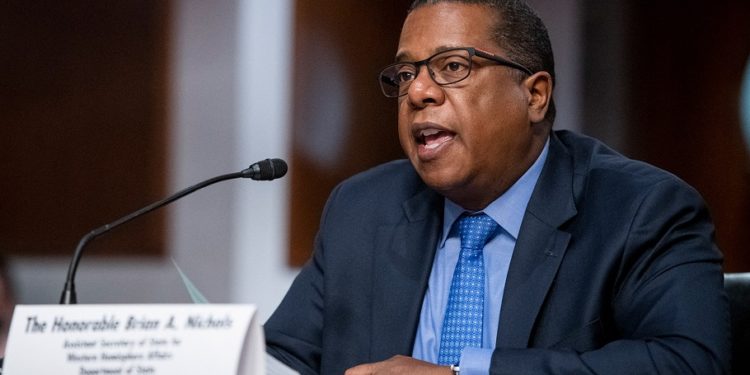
520 32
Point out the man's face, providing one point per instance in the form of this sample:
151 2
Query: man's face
473 139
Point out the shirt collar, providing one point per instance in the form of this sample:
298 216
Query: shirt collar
508 209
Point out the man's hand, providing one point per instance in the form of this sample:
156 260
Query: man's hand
399 365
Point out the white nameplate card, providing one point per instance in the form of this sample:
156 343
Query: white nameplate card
135 339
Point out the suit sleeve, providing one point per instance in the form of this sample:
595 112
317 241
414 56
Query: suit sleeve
669 309
294 332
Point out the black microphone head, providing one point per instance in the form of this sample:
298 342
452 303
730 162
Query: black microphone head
266 170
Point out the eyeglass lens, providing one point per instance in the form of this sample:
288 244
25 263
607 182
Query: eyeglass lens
444 68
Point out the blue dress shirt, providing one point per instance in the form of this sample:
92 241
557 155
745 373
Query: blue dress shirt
507 210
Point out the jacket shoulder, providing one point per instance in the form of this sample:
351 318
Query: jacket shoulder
380 192
601 164
392 180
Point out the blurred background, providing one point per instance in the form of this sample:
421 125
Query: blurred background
109 106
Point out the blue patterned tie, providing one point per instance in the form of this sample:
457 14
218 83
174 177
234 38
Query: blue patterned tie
464 314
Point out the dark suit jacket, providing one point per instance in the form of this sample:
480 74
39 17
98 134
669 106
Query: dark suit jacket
615 271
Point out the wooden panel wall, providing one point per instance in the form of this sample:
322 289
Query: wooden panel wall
686 65
342 124
82 124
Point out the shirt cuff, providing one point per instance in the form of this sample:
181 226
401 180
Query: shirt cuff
475 361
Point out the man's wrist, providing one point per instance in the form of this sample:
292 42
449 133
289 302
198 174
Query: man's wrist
455 369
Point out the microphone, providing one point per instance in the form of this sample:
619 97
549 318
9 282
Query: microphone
264 170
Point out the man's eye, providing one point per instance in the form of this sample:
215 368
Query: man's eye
454 66
405 76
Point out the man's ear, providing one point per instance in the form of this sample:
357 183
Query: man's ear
539 86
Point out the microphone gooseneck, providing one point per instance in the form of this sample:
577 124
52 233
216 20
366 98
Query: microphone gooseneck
264 170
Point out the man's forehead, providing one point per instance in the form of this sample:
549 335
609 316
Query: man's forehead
408 56
430 29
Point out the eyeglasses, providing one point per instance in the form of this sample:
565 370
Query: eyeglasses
446 67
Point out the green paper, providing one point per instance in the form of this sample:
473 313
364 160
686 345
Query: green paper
192 290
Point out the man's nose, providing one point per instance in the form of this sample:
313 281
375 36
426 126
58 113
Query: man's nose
423 90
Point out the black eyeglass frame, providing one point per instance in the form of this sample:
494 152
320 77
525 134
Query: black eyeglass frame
382 80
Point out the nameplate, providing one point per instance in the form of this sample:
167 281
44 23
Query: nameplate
134 339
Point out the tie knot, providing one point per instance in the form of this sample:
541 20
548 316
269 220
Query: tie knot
475 230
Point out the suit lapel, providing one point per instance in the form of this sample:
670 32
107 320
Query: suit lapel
539 249
402 265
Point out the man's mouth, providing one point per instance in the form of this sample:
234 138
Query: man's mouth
432 138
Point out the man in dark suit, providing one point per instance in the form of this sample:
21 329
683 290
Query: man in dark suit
594 263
